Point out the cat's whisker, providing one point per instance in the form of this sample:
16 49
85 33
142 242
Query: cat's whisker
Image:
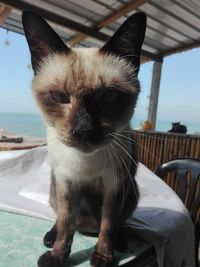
127 153
130 55
115 180
105 159
122 176
127 141
129 174
136 142
114 174
130 157
133 151
154 138
145 134
140 134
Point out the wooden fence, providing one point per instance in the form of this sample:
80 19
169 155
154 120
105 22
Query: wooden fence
158 147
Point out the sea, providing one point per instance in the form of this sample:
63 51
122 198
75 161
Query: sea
32 124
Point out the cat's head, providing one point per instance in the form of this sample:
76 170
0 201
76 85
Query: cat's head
175 124
85 94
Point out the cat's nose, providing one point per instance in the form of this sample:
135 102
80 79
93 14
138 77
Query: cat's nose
82 127
81 136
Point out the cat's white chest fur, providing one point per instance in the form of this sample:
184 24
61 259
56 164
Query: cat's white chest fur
71 164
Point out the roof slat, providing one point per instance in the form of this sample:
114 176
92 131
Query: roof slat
158 45
91 5
150 49
192 7
53 7
178 13
169 21
13 28
154 35
69 9
166 30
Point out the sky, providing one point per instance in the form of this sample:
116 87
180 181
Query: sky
179 90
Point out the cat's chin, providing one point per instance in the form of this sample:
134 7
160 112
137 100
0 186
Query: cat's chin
87 147
84 148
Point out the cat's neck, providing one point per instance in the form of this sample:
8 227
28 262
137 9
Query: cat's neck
69 163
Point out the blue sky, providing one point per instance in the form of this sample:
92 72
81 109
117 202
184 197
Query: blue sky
179 98
179 92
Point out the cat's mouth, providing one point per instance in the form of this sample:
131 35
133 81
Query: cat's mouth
89 143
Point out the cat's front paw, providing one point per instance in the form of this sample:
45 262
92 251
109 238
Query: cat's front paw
47 260
50 238
100 260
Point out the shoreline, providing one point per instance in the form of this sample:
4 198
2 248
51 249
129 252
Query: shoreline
28 142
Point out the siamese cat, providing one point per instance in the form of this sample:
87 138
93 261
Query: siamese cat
177 127
87 97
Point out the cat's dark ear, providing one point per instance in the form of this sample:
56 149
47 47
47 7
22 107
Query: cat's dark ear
41 38
128 39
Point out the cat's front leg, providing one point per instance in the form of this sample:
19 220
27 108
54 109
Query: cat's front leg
104 250
50 237
64 228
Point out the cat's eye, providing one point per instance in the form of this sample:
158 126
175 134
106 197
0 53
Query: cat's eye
110 96
60 97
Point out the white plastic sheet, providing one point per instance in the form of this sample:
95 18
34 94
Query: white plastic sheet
160 218
24 182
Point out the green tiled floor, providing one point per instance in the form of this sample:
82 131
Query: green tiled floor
21 242
21 239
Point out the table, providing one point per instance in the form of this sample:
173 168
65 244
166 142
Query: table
27 143
21 243
160 219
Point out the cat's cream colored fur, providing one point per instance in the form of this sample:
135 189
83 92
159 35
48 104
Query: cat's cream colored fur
83 69
80 165
78 72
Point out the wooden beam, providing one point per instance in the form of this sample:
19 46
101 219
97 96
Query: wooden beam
180 49
77 38
148 57
108 20
4 12
155 86
120 12
144 59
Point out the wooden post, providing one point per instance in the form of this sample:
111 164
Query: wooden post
155 86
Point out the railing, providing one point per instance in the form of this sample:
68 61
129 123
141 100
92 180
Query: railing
158 147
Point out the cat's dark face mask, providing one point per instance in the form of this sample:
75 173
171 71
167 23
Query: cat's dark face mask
85 95
102 112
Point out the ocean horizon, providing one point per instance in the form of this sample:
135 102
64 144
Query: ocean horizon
32 124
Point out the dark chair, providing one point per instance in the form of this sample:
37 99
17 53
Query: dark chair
183 175
146 259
